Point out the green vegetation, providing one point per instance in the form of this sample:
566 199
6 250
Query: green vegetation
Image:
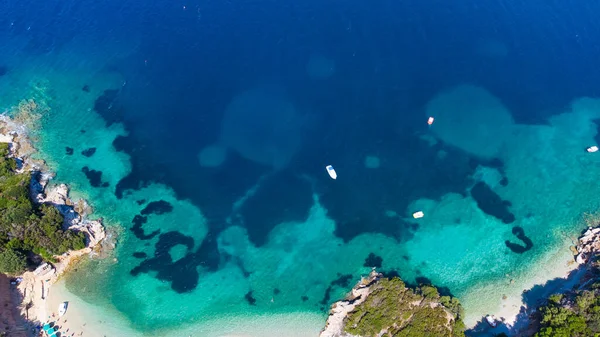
403 312
26 228
12 261
572 315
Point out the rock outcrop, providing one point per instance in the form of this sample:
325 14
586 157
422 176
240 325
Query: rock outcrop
340 310
74 213
589 245
379 306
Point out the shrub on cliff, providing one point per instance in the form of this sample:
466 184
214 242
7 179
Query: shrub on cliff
12 262
404 312
572 315
25 226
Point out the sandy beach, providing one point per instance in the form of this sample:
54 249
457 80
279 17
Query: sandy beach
34 290
85 319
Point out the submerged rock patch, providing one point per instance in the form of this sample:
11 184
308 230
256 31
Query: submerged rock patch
373 261
520 234
491 203
342 281
140 255
157 207
182 274
138 222
89 152
94 177
107 106
249 298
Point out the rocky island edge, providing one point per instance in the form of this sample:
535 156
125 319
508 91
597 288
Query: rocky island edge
24 297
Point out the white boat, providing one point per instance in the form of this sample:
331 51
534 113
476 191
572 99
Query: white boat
418 215
62 308
331 172
491 321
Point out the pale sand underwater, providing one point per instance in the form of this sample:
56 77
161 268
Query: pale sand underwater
94 321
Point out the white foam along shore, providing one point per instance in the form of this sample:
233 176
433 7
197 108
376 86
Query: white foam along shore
35 286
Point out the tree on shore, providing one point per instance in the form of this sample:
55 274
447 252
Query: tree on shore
12 261
27 228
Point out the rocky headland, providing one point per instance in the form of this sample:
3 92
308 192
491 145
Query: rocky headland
380 306
29 291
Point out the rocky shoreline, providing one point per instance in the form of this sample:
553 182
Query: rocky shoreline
588 245
334 327
585 253
33 286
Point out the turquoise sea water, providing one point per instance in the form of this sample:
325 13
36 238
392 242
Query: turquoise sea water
203 145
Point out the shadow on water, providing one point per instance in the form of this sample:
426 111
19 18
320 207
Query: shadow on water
526 323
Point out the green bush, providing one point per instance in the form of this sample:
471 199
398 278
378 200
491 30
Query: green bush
12 262
404 312
25 226
574 316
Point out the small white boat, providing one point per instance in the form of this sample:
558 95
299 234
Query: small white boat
592 149
331 172
491 321
418 215
62 308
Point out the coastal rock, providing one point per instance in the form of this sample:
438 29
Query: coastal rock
74 213
589 245
57 195
380 306
93 230
340 310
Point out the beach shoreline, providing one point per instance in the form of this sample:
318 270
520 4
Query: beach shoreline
30 290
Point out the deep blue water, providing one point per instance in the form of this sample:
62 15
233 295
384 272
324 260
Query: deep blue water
391 58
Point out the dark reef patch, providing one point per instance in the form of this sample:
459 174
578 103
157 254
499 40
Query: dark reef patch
108 107
94 177
276 291
86 88
3 70
304 298
140 255
157 207
249 298
490 203
373 261
138 230
342 281
422 280
68 150
141 201
182 274
89 152
390 273
359 203
273 204
520 234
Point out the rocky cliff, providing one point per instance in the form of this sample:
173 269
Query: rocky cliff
379 306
